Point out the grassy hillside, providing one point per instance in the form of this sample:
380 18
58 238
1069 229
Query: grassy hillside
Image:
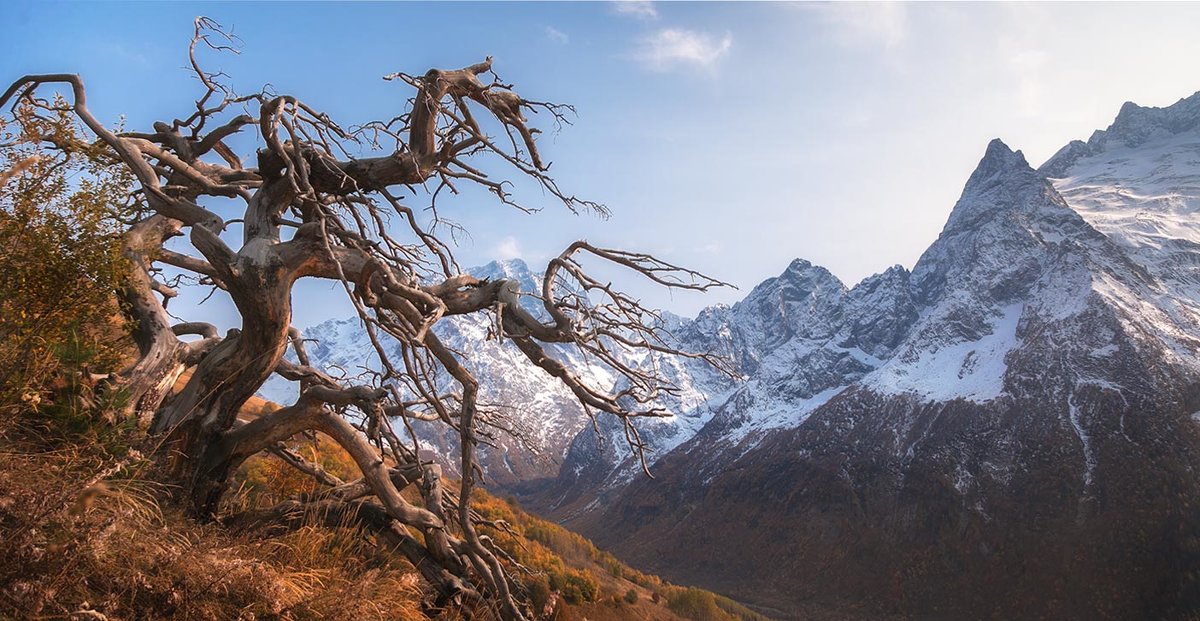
87 534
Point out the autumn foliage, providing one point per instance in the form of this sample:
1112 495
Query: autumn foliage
60 258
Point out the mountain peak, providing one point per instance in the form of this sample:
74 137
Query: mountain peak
1134 125
801 270
998 147
799 265
998 158
1000 165
1179 116
1002 186
513 269
515 264
1127 109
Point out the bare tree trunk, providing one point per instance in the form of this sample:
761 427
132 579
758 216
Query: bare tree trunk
150 379
227 377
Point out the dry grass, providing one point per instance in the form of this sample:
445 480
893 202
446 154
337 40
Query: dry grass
86 533
82 534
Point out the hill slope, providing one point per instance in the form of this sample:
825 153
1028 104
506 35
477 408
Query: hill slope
86 533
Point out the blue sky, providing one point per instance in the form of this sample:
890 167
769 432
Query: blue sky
728 137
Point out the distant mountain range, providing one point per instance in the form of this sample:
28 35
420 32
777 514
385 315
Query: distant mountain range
1009 430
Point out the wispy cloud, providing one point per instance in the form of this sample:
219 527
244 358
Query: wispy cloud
125 53
866 23
672 47
640 9
556 35
507 248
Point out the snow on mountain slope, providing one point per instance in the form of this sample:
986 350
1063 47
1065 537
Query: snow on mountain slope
540 409
1138 182
1015 412
942 332
793 321
1013 261
531 401
972 370
1013 253
1059 293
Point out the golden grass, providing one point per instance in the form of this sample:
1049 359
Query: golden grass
85 532
74 547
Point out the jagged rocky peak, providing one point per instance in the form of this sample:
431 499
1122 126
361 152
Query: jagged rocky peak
991 236
1134 126
879 312
795 298
518 270
804 282
893 277
803 301
1012 251
1001 175
511 269
800 279
997 159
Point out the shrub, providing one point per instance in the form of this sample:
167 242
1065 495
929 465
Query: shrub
539 593
695 604
268 480
577 587
61 262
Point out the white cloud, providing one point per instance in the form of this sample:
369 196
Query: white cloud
866 23
556 35
508 248
640 9
670 47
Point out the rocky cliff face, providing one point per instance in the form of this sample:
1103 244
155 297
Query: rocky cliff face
1006 431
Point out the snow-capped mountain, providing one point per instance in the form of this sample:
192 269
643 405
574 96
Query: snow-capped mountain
535 416
1016 411
1021 409
528 401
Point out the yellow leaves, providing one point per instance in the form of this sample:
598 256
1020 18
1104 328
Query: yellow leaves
60 256
267 479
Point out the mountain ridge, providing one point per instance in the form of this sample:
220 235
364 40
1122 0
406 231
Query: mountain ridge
1044 384
1014 396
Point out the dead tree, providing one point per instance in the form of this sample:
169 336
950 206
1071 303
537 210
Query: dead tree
321 201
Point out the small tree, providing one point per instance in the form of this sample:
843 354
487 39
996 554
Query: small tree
321 202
